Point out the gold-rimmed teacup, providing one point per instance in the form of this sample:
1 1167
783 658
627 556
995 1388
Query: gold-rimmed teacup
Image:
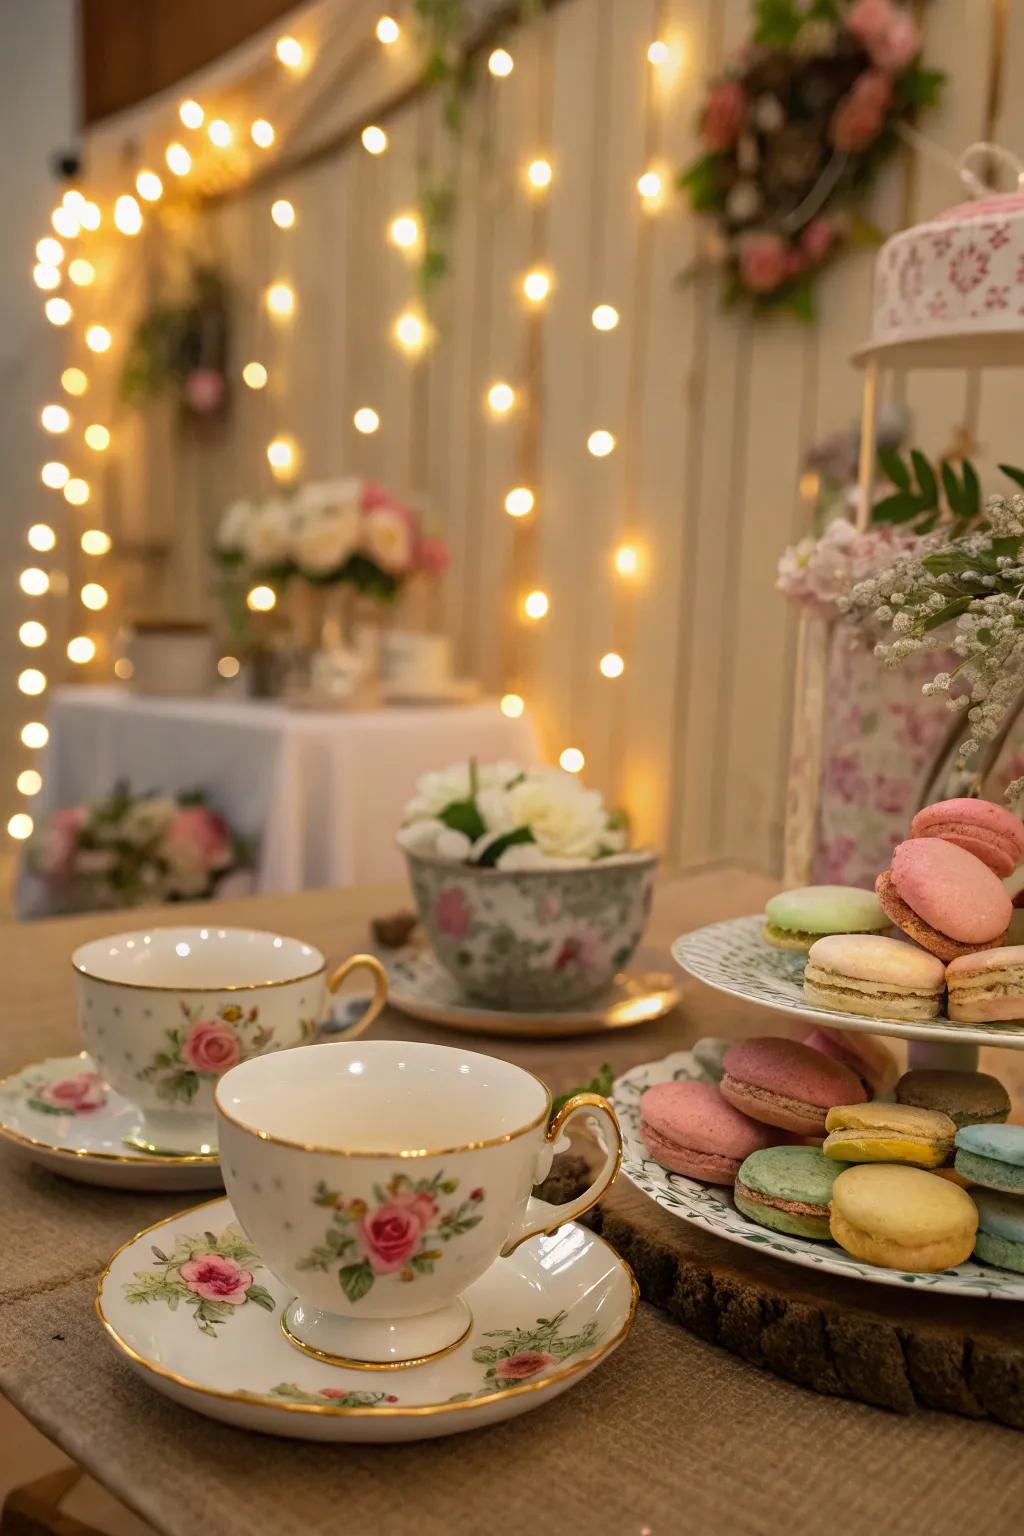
165 1012
379 1180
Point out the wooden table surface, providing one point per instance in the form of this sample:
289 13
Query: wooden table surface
672 1434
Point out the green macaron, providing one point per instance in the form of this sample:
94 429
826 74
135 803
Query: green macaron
795 919
992 1155
1000 1237
788 1189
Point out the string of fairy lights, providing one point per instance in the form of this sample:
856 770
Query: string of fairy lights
62 267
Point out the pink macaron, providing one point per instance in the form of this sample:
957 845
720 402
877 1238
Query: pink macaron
873 1062
944 898
991 832
689 1128
786 1083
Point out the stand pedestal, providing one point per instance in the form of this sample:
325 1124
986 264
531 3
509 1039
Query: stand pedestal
942 1054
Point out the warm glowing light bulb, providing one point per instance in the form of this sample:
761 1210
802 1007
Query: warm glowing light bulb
519 502
601 443
191 114
32 634
97 437
612 665
374 139
572 760
41 537
290 52
32 681
123 668
536 286
49 251
149 186
229 666
29 781
539 173
658 53
254 375
94 596
90 216
405 231
501 63
45 276
261 599
281 457
501 398
388 31
283 213
76 492
366 420
95 542
536 604
512 705
98 338
74 201
58 311
649 185
34 735
179 161
65 222
605 317
410 332
20 826
81 649
262 133
55 418
127 214
627 560
55 474
74 381
81 272
280 300
220 132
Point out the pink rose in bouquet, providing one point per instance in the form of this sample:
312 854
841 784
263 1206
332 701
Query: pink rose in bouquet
216 1279
818 238
723 116
197 837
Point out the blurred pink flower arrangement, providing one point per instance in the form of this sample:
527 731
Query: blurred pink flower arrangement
132 850
816 572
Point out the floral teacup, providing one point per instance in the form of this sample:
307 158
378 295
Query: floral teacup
533 938
379 1180
166 1011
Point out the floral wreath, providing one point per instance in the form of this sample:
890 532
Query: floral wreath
794 134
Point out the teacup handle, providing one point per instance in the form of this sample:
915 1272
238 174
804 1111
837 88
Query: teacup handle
541 1215
380 989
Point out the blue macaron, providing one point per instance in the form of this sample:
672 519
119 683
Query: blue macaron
992 1155
1000 1238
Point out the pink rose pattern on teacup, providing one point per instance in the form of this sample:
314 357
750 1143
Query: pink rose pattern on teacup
401 1233
452 913
205 1048
210 1275
79 1095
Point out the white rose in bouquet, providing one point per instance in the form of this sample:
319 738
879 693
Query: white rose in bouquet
566 820
323 541
233 525
268 537
388 540
436 791
324 495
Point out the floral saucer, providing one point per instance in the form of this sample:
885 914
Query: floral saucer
60 1114
198 1316
710 1206
420 986
733 957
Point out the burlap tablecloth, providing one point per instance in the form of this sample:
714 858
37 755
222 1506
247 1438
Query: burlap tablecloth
672 1435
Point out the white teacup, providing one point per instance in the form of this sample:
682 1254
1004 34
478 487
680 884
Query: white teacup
378 1180
167 1011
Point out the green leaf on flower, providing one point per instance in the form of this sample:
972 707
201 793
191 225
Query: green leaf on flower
704 183
261 1296
493 852
463 816
925 479
355 1280
894 468
1011 473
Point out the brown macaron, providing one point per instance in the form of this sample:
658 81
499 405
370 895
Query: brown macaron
968 1098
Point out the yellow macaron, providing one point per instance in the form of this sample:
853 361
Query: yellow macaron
889 1133
902 1218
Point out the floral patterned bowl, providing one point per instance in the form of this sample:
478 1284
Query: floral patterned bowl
533 938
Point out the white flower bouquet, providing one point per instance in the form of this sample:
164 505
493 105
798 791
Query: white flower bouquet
498 815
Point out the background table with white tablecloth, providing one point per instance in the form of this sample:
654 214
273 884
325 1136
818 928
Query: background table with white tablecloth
320 793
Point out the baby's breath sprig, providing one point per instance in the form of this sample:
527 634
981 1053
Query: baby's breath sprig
966 595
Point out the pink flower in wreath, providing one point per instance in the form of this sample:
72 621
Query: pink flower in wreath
451 913
763 262
858 119
77 1095
888 32
204 390
818 239
527 1363
389 1236
216 1279
724 111
211 1047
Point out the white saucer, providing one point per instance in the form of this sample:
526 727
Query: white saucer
542 1320
420 986
733 957
80 1132
710 1206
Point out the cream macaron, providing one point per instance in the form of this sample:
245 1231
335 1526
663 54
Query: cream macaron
988 987
882 978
